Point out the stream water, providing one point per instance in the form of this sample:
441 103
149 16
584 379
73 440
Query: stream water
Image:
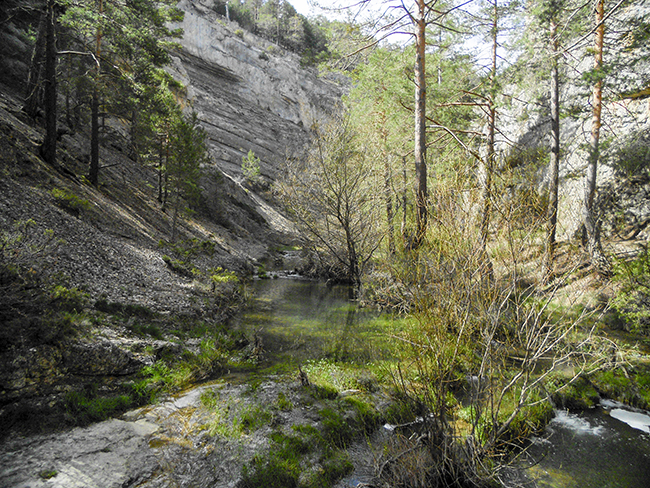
300 320
606 447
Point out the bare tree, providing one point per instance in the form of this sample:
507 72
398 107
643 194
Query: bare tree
331 198
391 17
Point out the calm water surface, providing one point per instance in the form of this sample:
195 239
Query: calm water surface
300 320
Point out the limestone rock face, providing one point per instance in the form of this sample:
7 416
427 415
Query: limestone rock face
250 94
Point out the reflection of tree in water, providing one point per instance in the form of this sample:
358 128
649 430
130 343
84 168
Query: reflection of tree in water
342 341
301 320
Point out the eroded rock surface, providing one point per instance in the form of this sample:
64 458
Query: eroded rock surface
250 94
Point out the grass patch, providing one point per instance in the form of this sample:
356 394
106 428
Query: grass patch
232 420
286 464
69 202
86 406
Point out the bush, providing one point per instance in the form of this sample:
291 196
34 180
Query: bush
632 304
633 158
250 168
69 202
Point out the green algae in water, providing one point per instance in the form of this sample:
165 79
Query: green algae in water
300 320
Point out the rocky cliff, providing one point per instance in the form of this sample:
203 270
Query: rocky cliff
110 247
250 94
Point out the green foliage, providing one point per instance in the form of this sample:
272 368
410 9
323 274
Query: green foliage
577 395
86 406
70 202
68 299
632 303
220 275
347 420
280 23
632 158
187 249
631 388
179 267
47 474
283 403
188 152
176 371
287 459
250 168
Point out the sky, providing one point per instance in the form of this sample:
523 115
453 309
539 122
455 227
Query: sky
302 7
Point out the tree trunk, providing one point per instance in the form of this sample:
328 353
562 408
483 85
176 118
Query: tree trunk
421 195
488 163
177 205
551 225
160 168
48 149
388 200
93 174
405 185
598 258
94 109
34 93
388 192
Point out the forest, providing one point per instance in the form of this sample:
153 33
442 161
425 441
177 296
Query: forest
480 189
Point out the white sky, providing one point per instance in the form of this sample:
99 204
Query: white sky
302 6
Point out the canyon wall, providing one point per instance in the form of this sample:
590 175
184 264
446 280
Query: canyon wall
249 93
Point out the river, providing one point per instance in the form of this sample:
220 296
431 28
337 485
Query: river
301 320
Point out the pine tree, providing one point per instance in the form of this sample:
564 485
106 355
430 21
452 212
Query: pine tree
592 228
128 43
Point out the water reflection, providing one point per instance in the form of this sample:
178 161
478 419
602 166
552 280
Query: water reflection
300 320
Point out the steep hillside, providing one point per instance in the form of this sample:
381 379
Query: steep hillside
93 271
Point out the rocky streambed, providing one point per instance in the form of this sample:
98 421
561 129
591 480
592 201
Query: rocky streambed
164 445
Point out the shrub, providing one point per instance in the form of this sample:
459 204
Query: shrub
69 202
632 304
250 168
633 158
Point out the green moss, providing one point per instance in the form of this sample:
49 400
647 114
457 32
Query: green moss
47 474
578 395
630 387
85 407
